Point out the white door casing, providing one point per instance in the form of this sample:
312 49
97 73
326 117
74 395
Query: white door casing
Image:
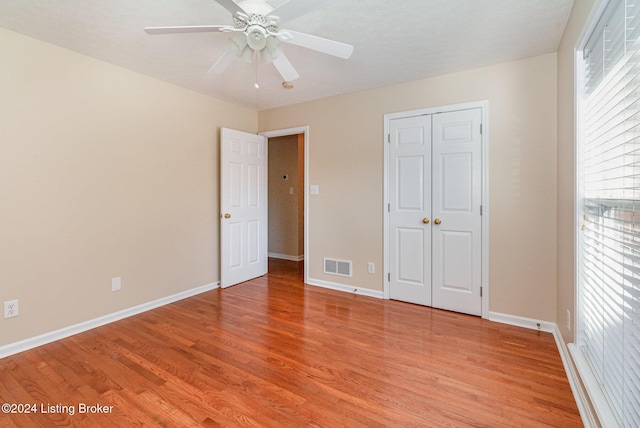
456 201
409 209
451 252
304 130
243 206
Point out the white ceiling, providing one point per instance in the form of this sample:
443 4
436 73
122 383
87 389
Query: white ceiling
395 41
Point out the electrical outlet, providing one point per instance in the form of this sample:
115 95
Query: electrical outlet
116 284
371 267
11 308
568 320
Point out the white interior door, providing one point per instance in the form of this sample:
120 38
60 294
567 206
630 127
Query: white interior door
435 224
410 209
243 206
456 202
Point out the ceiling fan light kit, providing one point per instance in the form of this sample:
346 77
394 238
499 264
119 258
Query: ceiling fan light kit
259 27
257 37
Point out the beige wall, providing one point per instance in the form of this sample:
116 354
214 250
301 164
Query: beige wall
103 173
346 161
285 208
566 166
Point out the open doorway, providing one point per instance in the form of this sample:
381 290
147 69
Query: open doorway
286 197
289 212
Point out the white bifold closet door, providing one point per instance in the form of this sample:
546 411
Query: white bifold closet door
435 193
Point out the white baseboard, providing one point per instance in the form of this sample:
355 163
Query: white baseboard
588 418
23 345
345 288
522 322
582 401
286 257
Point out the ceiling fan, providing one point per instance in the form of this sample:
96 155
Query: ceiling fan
257 25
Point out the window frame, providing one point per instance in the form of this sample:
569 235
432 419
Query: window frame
603 408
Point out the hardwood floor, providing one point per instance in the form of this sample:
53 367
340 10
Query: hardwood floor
273 352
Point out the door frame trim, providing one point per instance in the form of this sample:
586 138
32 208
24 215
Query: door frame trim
484 106
293 131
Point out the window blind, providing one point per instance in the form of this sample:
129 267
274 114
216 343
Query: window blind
609 257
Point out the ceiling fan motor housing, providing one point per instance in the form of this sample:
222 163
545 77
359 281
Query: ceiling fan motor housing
257 28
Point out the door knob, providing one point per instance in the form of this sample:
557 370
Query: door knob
227 215
437 221
425 220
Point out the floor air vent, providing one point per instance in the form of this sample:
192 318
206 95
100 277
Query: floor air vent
337 267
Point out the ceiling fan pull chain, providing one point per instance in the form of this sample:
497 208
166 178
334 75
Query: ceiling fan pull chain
256 61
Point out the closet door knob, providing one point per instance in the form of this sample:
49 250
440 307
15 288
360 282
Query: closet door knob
425 220
437 221
227 215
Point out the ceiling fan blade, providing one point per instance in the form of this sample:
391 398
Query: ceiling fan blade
230 5
223 62
330 47
284 67
186 29
295 8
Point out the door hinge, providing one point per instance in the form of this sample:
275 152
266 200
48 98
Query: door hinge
480 129
389 277
480 291
388 138
480 209
388 208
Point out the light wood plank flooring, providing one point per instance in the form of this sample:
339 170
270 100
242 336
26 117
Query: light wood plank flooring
273 352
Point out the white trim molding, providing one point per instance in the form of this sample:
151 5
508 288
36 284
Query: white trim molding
286 257
593 391
589 419
307 143
52 336
582 401
529 323
345 288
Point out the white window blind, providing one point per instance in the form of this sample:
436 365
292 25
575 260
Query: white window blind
609 257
